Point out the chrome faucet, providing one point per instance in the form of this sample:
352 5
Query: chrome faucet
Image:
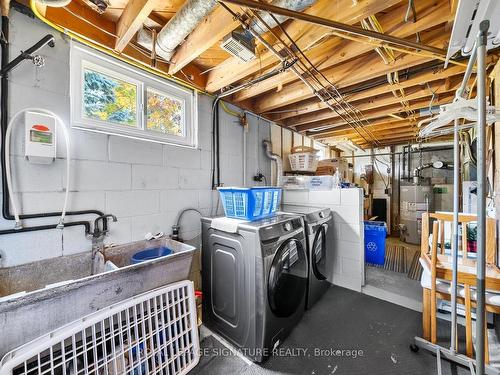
98 238
98 232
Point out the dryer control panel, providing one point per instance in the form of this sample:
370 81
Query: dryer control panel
277 230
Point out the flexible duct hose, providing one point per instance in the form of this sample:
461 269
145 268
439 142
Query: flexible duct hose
8 173
277 159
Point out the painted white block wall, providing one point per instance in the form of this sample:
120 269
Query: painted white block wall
144 184
347 208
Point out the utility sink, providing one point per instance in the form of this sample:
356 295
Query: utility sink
49 273
38 297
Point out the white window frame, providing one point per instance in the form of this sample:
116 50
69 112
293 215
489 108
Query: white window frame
83 57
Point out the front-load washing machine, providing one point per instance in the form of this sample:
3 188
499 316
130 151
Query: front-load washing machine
318 223
254 282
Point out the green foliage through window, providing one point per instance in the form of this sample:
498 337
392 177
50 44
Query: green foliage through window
109 99
164 113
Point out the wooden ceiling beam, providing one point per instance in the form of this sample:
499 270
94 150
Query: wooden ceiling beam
379 112
157 19
386 134
401 141
335 51
405 141
418 92
379 138
131 20
340 129
91 27
210 31
416 81
346 74
346 132
305 35
386 140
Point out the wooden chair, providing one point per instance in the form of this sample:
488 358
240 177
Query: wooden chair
434 288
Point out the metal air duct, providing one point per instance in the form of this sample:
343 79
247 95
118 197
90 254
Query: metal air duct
192 13
295 5
178 28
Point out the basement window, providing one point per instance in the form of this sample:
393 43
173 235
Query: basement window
113 97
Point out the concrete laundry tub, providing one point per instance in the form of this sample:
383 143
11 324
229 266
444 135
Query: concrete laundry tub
38 297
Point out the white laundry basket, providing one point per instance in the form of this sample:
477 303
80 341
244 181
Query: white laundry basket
303 159
152 333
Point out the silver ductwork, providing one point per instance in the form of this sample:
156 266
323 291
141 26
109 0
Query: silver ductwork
295 5
279 162
178 28
54 3
192 13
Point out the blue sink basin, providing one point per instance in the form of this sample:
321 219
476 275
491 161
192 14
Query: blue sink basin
150 254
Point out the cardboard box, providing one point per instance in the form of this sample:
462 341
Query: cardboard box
325 170
339 164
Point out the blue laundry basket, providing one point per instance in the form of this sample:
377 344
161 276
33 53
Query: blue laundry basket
250 203
375 234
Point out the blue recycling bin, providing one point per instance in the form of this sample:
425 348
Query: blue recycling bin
375 234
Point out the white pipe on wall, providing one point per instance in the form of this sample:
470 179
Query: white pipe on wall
279 162
8 172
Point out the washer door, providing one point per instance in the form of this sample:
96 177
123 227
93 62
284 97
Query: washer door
318 253
287 282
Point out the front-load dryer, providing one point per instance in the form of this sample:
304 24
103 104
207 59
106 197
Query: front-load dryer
318 223
254 282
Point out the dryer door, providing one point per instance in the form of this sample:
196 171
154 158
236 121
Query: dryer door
287 282
318 253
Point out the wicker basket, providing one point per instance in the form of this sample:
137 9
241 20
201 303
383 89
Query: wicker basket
303 159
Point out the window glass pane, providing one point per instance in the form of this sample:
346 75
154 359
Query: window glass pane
109 99
164 113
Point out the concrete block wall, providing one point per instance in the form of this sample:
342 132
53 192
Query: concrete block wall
347 208
144 184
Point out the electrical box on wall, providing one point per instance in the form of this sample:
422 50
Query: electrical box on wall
40 138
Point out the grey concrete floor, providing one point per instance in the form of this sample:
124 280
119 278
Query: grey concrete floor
342 319
394 287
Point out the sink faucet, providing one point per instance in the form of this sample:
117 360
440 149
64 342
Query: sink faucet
98 237
98 232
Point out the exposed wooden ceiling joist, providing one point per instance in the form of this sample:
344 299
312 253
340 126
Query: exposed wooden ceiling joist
380 112
423 78
131 20
212 29
346 74
346 129
304 35
351 64
381 127
336 50
381 134
81 20
418 92
381 137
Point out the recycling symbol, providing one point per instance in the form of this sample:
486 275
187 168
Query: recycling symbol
371 246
